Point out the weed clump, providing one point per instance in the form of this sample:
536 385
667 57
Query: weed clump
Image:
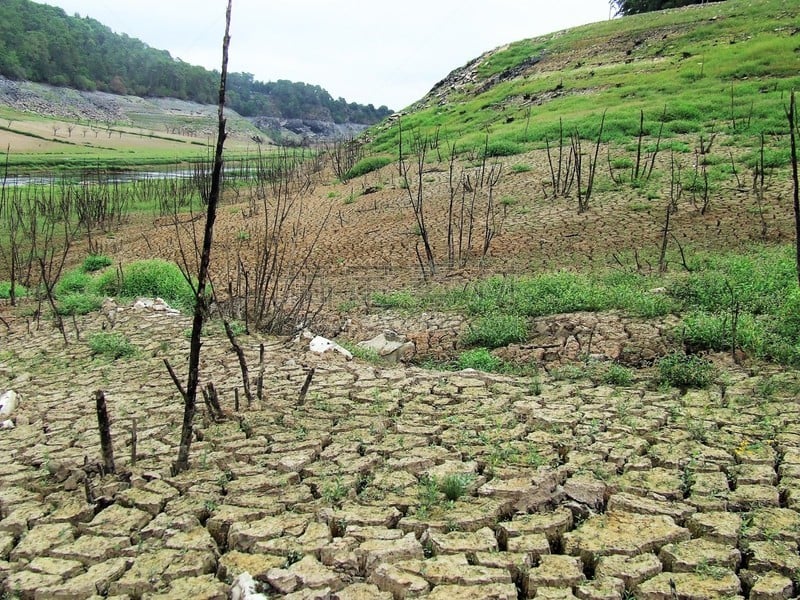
147 278
5 290
111 345
367 165
685 370
496 330
78 304
95 262
479 359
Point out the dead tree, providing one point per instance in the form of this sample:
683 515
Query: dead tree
200 298
791 114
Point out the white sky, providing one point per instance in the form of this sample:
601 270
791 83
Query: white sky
367 51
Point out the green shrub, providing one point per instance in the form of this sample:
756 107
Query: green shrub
95 262
399 299
521 168
502 147
455 485
78 304
615 374
479 359
685 370
5 290
496 330
111 345
72 282
147 278
367 165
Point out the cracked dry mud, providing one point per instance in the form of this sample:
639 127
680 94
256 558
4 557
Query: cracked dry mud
572 490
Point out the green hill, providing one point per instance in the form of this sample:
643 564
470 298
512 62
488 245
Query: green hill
43 44
720 68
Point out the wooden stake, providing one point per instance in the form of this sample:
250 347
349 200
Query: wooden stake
104 425
306 385
134 438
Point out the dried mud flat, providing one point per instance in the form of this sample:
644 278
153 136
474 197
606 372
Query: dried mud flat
570 489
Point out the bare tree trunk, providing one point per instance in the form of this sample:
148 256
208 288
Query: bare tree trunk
792 116
200 309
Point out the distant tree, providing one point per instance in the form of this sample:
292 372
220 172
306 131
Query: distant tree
42 43
633 7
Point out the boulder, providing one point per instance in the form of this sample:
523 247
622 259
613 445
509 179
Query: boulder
390 346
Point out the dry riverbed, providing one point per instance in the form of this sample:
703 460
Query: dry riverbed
557 489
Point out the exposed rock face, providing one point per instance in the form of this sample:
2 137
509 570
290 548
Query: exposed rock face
307 130
554 339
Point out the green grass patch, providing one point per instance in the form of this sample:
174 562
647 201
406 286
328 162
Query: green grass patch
495 330
78 303
686 370
401 299
20 291
147 278
71 282
480 359
111 346
367 165
95 262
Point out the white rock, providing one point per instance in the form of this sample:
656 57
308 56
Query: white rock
9 424
320 345
244 588
8 403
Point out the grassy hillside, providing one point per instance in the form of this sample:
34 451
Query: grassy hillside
721 68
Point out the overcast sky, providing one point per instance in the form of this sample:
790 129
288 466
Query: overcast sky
367 51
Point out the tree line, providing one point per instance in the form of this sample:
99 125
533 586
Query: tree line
633 7
42 43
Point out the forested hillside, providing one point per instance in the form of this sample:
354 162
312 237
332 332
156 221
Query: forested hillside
42 43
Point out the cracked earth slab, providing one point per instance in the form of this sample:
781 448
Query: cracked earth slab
387 482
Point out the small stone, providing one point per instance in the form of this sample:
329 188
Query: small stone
197 588
689 556
750 497
25 584
462 542
90 549
774 555
555 571
40 539
282 580
399 583
586 490
622 533
190 564
535 545
555 593
95 580
362 591
313 574
771 586
773 524
678 511
721 527
602 588
632 570
689 586
234 563
491 591
553 524
454 570
373 552
145 574
56 566
116 520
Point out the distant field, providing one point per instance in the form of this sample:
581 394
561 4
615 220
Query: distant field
31 142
